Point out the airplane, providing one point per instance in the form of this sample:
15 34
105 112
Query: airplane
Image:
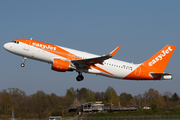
65 59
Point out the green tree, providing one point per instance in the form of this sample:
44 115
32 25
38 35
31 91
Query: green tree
153 96
114 99
70 96
71 92
56 104
175 97
41 104
125 98
107 94
167 96
6 103
19 102
90 96
99 96
54 100
15 92
154 106
81 94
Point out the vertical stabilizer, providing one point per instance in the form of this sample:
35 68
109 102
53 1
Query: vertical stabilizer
160 60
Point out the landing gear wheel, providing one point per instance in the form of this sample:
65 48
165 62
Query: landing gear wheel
24 60
22 64
79 78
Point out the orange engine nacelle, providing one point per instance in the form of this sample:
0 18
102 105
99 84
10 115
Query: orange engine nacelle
62 66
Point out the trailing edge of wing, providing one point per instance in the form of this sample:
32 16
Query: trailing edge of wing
92 61
96 60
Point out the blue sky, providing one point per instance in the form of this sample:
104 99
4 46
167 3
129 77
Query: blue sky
141 28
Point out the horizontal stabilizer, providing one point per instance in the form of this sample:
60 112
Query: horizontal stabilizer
164 76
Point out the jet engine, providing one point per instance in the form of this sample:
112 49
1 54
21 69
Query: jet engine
62 66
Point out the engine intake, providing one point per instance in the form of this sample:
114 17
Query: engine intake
62 66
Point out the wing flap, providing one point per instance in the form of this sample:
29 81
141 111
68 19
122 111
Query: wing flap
96 60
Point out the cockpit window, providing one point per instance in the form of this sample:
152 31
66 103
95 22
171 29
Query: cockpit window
17 42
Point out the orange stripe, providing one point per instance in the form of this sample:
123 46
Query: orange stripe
98 68
53 48
50 48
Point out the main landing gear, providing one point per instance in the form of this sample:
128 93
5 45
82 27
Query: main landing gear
24 60
80 77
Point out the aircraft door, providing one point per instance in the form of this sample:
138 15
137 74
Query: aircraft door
138 71
26 46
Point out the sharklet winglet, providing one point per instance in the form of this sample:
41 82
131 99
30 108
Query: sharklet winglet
114 51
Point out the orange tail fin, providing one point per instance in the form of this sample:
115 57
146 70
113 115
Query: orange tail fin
160 60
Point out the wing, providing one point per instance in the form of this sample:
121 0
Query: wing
93 61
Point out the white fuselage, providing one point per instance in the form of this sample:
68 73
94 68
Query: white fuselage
117 68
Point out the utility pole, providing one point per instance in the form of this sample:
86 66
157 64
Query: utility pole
12 114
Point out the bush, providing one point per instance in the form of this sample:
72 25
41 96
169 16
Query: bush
154 107
110 111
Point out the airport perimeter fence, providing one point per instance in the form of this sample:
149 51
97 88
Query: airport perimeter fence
172 117
26 119
158 117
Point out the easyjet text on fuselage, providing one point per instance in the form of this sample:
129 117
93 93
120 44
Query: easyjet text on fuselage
160 56
44 46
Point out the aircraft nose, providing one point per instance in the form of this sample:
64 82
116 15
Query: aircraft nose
5 46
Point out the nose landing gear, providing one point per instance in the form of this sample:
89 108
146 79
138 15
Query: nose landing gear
24 60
